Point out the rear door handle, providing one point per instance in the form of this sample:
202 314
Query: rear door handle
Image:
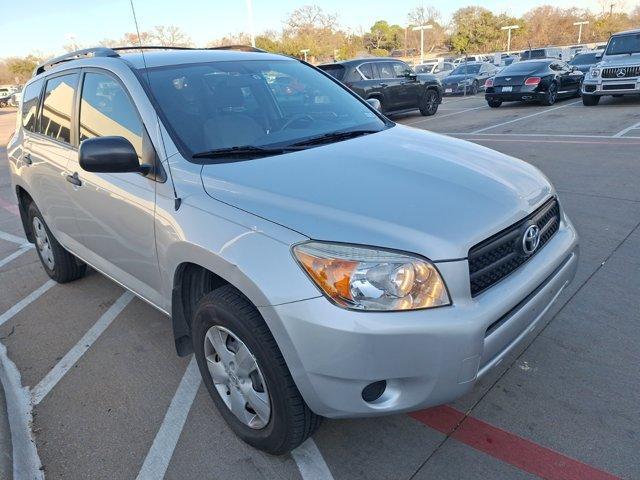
384 84
26 158
74 179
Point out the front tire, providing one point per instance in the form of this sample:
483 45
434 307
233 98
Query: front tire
59 264
475 86
246 374
493 103
590 100
429 103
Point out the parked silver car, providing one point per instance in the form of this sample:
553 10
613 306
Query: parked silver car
618 71
320 260
438 69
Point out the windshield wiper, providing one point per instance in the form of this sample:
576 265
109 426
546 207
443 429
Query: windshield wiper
333 137
250 151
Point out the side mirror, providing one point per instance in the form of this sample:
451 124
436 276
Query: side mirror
375 103
410 75
110 155
599 55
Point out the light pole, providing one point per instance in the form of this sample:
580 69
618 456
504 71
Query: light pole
508 29
422 28
580 24
251 29
305 51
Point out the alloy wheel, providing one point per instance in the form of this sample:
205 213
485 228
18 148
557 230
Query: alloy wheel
43 243
237 377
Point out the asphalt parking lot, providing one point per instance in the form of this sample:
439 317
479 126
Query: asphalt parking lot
112 400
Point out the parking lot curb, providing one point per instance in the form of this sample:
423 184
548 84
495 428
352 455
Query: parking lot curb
25 460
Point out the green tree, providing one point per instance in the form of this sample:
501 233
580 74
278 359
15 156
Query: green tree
22 68
383 36
475 29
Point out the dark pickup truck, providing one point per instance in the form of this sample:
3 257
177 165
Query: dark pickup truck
398 88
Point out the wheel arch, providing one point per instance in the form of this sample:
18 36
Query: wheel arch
24 199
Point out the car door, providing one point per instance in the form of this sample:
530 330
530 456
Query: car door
366 84
391 86
411 86
115 211
48 146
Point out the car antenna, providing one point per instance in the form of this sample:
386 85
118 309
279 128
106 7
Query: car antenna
177 201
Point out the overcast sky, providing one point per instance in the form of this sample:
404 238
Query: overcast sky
44 26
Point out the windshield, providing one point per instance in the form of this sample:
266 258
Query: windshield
221 105
584 59
523 68
426 68
624 44
466 69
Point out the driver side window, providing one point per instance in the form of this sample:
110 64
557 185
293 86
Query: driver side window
106 110
400 69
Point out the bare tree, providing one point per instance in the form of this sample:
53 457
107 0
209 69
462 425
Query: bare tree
311 17
170 36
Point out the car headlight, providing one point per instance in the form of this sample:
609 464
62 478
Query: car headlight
366 278
595 72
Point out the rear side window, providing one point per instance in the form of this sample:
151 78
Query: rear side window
57 105
336 71
367 70
106 110
30 98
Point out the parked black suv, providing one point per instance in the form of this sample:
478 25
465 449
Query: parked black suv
398 88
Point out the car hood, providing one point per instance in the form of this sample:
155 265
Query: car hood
402 188
620 60
457 78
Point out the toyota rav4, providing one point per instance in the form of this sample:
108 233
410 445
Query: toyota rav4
318 259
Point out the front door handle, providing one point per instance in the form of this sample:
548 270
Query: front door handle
26 158
74 179
384 85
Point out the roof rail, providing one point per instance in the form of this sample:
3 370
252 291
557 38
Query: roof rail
113 52
87 52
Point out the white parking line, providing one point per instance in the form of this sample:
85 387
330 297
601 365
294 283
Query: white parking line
310 462
525 117
622 133
13 238
69 360
539 135
438 117
159 455
15 254
25 301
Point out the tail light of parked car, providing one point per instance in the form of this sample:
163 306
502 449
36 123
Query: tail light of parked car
488 83
532 81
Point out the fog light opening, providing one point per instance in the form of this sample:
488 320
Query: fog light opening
374 391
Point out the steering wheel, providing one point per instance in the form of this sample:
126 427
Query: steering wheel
296 118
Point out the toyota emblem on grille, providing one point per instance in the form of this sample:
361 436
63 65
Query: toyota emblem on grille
531 239
621 72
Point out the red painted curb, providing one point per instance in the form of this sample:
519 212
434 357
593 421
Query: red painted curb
508 447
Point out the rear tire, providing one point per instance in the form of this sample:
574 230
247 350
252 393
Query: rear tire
59 264
552 95
493 103
590 100
290 421
429 103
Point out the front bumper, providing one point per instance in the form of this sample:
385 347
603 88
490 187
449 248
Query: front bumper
610 86
427 357
456 89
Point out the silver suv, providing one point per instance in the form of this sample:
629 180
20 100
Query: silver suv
618 71
318 259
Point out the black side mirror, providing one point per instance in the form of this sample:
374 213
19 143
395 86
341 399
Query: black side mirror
599 55
410 75
110 155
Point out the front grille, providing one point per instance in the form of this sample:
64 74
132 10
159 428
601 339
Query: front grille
621 72
498 256
619 86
